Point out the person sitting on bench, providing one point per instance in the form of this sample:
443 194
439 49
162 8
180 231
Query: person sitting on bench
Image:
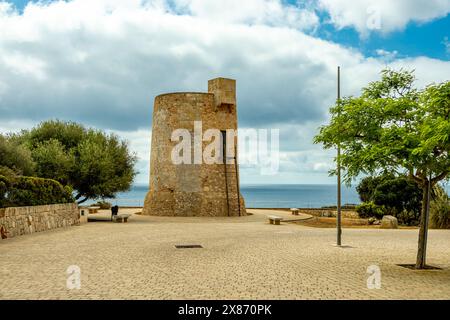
114 212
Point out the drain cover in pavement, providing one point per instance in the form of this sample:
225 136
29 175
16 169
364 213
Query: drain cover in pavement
188 246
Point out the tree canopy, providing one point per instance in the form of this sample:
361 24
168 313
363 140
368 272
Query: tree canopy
95 164
14 158
394 127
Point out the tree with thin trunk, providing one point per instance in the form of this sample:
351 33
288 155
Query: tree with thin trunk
393 127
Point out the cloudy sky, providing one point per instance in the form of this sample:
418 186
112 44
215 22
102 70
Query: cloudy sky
102 62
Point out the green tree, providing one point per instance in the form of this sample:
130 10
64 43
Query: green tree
104 166
14 158
395 128
69 134
95 164
398 195
366 187
53 160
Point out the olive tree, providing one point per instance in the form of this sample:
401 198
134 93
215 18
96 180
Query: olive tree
14 158
95 164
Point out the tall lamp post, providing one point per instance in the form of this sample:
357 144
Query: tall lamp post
338 163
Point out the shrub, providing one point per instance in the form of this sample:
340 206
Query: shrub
440 214
401 197
408 218
104 205
367 186
7 172
370 210
31 191
398 195
4 184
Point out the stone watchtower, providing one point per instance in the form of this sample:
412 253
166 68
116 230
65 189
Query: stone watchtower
194 189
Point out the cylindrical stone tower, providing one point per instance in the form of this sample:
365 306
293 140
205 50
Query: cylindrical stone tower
194 189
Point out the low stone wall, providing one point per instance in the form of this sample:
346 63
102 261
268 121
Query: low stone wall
346 213
25 220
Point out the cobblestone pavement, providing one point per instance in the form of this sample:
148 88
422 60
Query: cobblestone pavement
242 258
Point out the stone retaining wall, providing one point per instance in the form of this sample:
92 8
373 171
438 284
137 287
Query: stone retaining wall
346 213
25 220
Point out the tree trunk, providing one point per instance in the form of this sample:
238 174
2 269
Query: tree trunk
423 231
81 201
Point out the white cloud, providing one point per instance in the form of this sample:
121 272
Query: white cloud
383 15
387 55
267 12
103 62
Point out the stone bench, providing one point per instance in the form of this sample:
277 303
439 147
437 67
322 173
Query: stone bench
121 218
275 220
295 211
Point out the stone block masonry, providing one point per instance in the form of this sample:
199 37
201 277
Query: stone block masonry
192 189
26 220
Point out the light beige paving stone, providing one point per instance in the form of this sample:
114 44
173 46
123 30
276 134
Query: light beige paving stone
242 258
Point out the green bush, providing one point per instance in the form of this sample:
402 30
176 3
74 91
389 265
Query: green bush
401 197
7 172
31 191
368 185
398 195
440 214
4 184
104 205
370 210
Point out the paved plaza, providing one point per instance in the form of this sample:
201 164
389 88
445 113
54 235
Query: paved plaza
241 258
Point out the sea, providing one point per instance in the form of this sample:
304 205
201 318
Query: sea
265 196
268 196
